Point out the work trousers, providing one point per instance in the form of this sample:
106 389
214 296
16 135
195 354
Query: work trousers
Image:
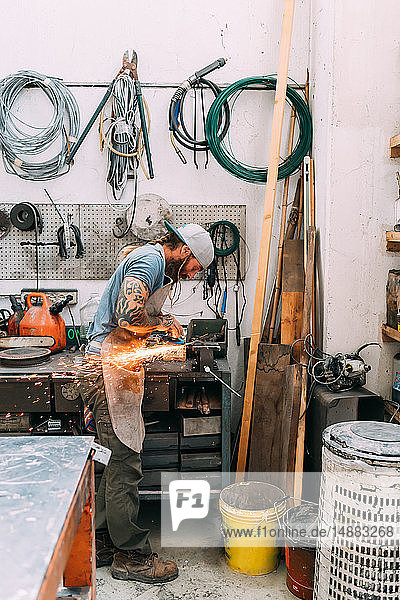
117 498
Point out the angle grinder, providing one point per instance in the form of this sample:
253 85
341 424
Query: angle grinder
157 338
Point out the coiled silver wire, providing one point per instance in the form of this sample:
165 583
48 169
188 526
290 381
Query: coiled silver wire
20 140
121 136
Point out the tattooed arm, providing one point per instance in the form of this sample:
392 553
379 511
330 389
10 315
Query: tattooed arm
130 312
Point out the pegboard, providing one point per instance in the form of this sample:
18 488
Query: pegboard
18 262
206 215
95 222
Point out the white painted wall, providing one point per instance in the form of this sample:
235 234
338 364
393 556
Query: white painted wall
353 52
355 63
84 41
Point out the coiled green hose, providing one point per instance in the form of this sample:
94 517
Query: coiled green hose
225 157
213 230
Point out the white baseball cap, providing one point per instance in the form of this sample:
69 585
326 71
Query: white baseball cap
197 239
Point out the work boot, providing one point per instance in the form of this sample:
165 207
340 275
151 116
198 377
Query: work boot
146 568
104 550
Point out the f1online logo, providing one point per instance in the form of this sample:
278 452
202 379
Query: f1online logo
188 499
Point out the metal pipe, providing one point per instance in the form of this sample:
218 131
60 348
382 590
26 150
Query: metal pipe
105 84
208 370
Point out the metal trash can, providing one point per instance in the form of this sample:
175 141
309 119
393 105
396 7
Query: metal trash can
300 549
358 556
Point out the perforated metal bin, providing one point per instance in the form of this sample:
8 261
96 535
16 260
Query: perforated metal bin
358 556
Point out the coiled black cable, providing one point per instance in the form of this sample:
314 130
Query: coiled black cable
178 128
122 136
214 231
219 232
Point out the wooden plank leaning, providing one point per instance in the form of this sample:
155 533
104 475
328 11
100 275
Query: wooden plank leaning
266 232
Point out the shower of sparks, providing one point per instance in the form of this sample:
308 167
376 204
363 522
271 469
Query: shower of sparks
136 356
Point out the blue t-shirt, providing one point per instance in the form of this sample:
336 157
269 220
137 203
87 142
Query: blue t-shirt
147 263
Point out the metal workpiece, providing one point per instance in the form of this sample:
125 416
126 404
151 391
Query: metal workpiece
38 479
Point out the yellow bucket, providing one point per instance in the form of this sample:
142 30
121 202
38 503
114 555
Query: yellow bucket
250 525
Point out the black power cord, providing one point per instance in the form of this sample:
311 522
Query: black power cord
26 217
179 131
334 371
221 232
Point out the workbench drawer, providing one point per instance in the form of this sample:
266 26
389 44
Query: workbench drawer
201 461
160 460
200 442
152 478
156 394
25 394
160 441
201 425
16 423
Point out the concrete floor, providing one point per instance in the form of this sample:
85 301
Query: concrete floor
203 574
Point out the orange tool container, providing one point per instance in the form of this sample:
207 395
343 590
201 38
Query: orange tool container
38 320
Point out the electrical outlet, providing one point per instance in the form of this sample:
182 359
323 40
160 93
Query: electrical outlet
54 295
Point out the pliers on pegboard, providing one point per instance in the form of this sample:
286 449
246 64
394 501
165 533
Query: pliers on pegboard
64 235
65 243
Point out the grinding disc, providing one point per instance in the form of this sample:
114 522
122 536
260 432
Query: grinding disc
24 356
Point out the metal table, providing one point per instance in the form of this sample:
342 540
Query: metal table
46 516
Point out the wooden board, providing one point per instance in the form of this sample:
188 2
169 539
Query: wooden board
393 241
392 297
265 443
27 341
301 435
273 300
389 334
278 279
395 146
292 291
266 232
293 386
306 328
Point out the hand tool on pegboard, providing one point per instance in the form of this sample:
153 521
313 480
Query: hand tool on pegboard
26 217
64 241
65 233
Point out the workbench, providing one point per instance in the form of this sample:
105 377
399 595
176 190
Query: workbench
46 517
43 400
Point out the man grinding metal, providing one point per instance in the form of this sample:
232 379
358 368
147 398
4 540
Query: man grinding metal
130 308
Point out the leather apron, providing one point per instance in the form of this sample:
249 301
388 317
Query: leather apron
124 387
